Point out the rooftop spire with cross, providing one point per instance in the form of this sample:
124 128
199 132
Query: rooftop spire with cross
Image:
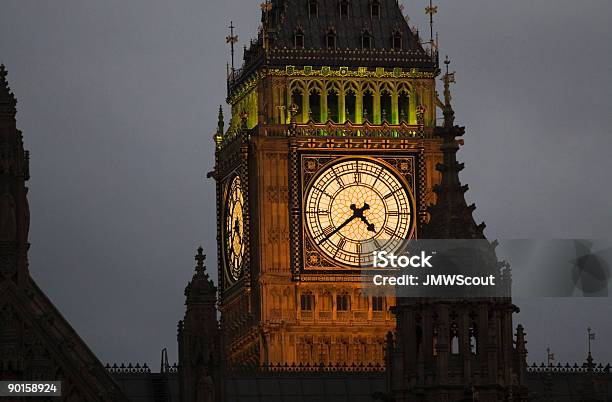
431 10
232 40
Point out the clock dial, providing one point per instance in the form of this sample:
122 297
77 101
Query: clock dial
355 207
234 229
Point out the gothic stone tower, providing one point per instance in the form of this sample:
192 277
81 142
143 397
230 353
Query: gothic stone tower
36 342
198 338
457 349
329 154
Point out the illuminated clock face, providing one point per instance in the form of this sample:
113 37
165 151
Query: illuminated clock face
234 229
355 207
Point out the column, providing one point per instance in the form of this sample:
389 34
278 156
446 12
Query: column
341 107
358 108
376 106
305 105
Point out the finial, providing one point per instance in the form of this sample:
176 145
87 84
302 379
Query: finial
591 337
200 258
218 135
449 78
431 10
232 40
220 121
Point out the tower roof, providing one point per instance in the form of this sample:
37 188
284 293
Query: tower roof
363 36
316 18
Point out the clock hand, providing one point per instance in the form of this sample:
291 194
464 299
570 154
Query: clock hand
346 222
361 216
339 228
237 229
357 213
371 227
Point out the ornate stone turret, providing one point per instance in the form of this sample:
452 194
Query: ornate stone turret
14 172
455 349
198 338
451 217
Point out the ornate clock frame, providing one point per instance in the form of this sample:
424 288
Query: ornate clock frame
233 161
405 156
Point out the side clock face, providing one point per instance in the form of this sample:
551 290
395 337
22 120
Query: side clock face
233 230
355 207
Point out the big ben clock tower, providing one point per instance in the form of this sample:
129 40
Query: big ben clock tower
329 155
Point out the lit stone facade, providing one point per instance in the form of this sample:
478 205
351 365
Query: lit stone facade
299 105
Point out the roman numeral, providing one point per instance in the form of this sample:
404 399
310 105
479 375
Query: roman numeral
328 230
386 197
313 212
397 213
323 191
390 231
338 178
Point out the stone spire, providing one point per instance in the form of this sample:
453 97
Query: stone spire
14 172
451 217
218 135
198 338
201 288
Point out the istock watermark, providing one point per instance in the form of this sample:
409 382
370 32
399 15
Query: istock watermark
474 268
384 259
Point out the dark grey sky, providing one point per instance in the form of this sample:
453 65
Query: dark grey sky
118 100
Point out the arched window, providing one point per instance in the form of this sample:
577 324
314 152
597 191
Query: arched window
368 106
385 107
330 39
404 107
350 100
313 8
332 105
454 338
367 42
375 8
397 41
378 303
344 8
297 99
343 302
307 301
474 339
418 338
298 39
314 99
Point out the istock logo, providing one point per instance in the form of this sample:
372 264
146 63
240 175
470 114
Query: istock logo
383 259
